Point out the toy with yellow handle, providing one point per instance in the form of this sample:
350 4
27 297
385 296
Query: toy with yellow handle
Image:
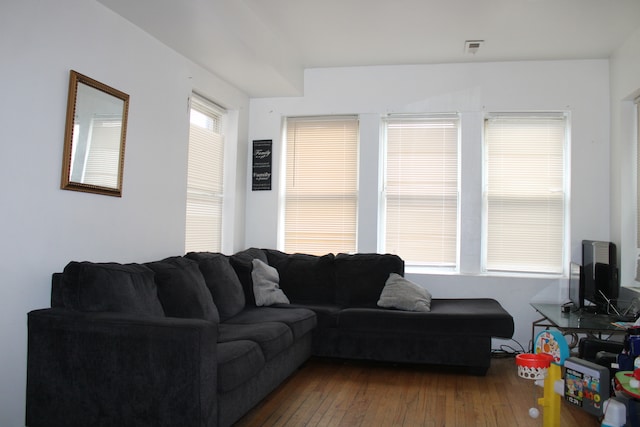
544 366
585 385
553 343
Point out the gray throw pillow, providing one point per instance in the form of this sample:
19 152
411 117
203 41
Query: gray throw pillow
403 294
266 288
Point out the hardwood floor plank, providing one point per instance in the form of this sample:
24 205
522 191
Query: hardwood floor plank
337 393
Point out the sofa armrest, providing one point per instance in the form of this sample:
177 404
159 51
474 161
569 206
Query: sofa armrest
107 369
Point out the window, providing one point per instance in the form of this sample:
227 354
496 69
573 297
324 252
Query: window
204 176
321 190
525 192
421 189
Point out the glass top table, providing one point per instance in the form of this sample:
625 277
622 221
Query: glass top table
580 321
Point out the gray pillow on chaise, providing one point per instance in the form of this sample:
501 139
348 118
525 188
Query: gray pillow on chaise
403 294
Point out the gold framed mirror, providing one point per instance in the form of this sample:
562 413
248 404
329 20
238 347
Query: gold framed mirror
94 137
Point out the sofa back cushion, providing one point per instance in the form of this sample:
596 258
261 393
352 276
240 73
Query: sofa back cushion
123 288
56 290
182 289
360 278
305 278
222 281
242 263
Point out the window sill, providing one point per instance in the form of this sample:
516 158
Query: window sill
443 271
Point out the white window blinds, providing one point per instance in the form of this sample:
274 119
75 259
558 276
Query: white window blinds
321 191
205 176
524 197
421 189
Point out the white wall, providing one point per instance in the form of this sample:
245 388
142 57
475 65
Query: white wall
581 87
42 228
625 86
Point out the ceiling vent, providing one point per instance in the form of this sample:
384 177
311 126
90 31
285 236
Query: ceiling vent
472 46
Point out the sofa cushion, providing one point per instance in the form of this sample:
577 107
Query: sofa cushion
326 314
266 288
305 278
238 362
466 317
242 264
182 289
403 294
361 277
222 281
272 337
124 288
299 320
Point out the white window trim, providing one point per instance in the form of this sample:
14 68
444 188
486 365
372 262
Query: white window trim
566 250
212 108
419 266
282 195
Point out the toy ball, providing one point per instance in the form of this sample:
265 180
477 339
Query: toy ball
534 412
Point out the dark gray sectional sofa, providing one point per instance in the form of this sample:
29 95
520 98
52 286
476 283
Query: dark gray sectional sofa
180 342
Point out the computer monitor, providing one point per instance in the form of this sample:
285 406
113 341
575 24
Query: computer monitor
601 285
576 286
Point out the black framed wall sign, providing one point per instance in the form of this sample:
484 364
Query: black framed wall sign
262 161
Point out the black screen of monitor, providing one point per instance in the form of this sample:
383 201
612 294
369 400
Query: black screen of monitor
600 273
576 286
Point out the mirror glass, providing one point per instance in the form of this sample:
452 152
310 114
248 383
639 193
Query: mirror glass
94 137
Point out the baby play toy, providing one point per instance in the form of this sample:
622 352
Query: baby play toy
586 385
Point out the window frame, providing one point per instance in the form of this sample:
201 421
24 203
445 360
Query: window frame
566 191
206 192
287 145
454 118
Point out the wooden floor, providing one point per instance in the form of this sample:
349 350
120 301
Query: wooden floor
338 393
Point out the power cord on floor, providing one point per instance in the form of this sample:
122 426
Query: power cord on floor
506 350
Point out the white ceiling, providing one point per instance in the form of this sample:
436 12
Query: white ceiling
263 46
